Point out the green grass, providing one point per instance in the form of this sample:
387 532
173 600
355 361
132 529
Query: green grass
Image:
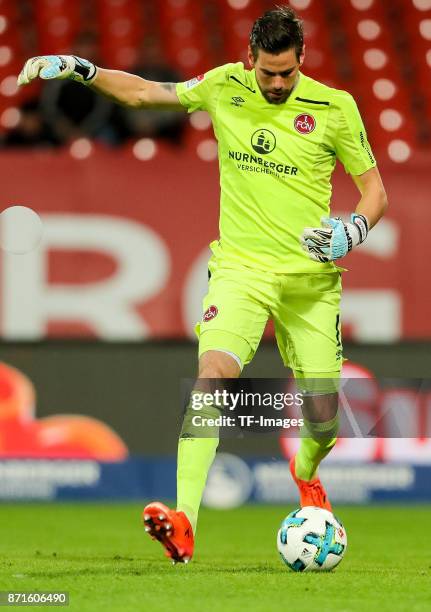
101 555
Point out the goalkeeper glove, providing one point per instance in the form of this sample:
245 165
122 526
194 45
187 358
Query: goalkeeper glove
58 67
335 238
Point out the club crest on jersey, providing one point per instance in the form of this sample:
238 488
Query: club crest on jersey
210 313
195 81
304 123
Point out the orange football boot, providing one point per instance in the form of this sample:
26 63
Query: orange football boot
172 529
311 492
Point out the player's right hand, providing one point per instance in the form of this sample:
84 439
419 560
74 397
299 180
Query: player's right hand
57 67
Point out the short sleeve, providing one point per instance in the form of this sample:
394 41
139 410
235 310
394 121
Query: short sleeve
351 144
202 92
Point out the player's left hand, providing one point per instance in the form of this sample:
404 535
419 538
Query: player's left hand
334 239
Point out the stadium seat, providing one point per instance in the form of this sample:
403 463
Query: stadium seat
355 45
57 25
417 47
11 61
375 79
122 29
183 35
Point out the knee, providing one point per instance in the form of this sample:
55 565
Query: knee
216 364
212 371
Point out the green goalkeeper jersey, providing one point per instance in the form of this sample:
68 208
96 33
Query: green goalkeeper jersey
276 162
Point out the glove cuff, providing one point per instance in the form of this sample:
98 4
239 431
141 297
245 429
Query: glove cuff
84 71
361 224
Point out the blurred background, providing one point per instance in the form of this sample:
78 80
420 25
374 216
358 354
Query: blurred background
97 322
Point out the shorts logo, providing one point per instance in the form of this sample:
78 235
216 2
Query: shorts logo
195 81
263 141
304 124
210 313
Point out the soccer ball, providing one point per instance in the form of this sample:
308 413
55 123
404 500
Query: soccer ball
311 539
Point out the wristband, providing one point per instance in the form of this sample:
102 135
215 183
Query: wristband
84 71
361 224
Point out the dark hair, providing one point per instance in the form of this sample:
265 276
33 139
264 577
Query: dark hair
277 30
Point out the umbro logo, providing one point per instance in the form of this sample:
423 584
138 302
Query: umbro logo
237 101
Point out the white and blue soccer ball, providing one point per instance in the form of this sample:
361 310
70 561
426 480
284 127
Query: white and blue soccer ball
311 539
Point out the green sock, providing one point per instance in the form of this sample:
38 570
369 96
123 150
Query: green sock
317 442
195 456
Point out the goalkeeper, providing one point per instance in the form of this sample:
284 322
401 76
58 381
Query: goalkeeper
279 134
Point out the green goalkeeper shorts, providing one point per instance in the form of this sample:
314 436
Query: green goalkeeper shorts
305 309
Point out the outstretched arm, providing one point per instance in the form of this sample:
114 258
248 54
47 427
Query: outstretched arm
121 87
131 90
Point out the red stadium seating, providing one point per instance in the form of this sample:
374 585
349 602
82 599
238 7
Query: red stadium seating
121 27
11 60
417 27
57 23
184 36
380 51
376 78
